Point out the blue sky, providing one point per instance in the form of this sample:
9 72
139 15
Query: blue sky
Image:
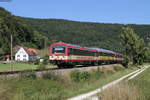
106 11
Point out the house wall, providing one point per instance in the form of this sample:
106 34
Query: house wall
21 55
32 57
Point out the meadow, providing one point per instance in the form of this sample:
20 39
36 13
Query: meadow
50 87
15 66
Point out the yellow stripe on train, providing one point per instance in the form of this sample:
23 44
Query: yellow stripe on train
108 58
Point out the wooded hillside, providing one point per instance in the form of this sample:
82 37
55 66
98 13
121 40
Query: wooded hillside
85 33
33 32
21 32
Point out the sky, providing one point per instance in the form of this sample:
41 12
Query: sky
103 11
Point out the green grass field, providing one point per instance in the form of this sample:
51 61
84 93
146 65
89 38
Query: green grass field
52 88
19 66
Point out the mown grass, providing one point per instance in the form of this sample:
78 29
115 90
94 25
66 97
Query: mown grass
51 87
16 66
19 66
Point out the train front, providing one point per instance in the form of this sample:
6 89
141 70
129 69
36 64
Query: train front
58 53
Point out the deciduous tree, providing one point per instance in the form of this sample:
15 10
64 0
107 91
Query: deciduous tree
133 44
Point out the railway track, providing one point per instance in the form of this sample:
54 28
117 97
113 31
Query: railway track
55 71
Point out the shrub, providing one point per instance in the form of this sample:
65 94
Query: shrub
45 60
98 74
78 76
36 62
126 61
85 76
75 76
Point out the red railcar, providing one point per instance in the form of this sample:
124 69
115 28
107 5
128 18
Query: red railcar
68 55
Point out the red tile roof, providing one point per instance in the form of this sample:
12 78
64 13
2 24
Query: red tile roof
30 51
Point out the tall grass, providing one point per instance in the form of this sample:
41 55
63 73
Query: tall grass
29 89
122 91
142 82
136 89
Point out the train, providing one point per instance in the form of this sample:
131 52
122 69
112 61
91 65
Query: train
69 55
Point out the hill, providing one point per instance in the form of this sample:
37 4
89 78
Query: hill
85 33
21 32
32 32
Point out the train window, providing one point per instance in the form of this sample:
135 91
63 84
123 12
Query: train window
73 51
58 49
105 54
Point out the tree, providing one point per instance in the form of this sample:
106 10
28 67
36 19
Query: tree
134 46
22 33
148 52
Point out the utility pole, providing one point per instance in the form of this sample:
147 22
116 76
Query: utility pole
11 47
44 43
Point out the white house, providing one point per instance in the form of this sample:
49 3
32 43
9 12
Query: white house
26 54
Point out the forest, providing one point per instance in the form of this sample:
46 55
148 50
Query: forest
22 34
33 32
102 35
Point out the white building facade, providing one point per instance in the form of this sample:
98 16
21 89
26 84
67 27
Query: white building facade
21 55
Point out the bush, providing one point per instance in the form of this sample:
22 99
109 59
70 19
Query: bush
126 61
45 60
30 75
98 74
36 62
78 76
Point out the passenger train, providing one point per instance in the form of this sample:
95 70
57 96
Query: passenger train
69 55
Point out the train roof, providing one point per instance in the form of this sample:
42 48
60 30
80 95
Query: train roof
82 47
97 49
90 48
103 50
75 45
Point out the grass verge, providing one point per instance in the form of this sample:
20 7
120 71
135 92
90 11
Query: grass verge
142 82
19 66
121 91
135 89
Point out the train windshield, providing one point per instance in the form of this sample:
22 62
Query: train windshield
58 49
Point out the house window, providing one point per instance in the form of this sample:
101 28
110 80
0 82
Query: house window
18 55
24 55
